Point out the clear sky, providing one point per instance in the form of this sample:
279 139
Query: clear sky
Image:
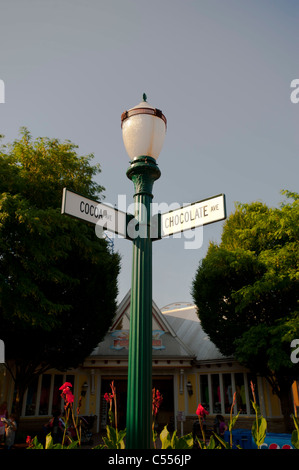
220 70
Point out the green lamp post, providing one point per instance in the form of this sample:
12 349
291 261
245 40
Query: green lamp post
143 130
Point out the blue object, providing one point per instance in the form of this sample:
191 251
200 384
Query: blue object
277 441
244 439
241 437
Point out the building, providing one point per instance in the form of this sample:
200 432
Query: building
187 369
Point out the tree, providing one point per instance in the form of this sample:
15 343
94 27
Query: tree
58 281
246 291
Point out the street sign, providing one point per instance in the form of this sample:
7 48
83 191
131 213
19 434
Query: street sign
194 215
181 416
188 217
94 212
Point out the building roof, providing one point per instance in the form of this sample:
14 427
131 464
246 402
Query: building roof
177 333
166 343
183 319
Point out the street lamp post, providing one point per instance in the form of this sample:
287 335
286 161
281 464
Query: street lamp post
143 129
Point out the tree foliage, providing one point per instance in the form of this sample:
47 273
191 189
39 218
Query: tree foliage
246 289
58 281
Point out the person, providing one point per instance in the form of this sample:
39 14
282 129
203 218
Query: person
222 426
10 431
56 427
3 414
216 424
219 425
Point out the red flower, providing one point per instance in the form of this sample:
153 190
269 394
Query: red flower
28 440
108 396
252 390
69 397
157 400
201 412
67 394
113 395
65 385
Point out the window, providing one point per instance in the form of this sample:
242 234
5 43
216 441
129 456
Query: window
228 392
216 396
217 392
204 392
45 395
31 398
56 403
240 393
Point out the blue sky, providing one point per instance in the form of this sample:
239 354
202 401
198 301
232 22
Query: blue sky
220 70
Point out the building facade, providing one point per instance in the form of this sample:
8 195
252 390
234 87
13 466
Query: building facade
187 369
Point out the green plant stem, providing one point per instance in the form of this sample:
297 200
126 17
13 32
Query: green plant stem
115 412
76 428
202 430
154 433
230 431
256 414
257 425
65 426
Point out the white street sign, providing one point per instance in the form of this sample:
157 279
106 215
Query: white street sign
95 212
194 215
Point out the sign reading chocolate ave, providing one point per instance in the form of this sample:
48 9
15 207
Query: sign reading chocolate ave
194 215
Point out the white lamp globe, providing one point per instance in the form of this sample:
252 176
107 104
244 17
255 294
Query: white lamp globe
143 130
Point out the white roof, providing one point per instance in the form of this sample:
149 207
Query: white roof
184 320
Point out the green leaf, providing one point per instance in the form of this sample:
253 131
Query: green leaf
72 445
165 438
49 441
111 436
120 438
295 439
35 444
259 426
183 442
232 421
212 443
155 435
200 443
115 438
296 422
224 444
295 433
108 444
258 430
